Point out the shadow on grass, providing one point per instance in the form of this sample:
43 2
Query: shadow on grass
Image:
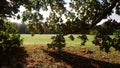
77 61
13 57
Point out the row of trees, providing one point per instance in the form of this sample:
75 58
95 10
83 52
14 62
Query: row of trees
107 28
23 29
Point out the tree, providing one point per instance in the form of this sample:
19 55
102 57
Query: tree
11 51
86 11
82 16
22 28
8 34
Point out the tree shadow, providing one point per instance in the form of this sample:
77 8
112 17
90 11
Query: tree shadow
13 57
77 61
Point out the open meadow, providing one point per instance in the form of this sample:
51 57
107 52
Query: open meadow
73 55
46 38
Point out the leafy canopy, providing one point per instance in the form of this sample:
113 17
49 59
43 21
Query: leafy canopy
83 14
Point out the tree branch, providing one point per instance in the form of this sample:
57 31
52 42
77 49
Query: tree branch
105 13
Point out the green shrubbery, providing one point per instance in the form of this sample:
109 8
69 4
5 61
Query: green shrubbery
12 54
8 36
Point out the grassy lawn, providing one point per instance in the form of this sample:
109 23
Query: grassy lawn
46 38
36 39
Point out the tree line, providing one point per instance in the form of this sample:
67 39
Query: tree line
107 28
23 29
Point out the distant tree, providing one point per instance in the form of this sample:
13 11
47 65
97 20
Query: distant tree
22 28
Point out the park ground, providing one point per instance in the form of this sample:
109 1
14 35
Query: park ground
73 55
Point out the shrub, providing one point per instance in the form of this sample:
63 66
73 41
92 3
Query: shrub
12 55
8 36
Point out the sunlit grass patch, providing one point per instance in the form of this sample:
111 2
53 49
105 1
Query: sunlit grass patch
46 38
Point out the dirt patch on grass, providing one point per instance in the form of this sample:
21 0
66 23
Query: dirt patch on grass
39 57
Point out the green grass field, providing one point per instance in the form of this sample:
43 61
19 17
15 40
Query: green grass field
46 38
36 39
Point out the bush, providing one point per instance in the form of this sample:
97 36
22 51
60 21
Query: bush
8 36
12 55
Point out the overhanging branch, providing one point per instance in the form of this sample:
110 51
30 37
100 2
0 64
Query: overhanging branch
105 13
